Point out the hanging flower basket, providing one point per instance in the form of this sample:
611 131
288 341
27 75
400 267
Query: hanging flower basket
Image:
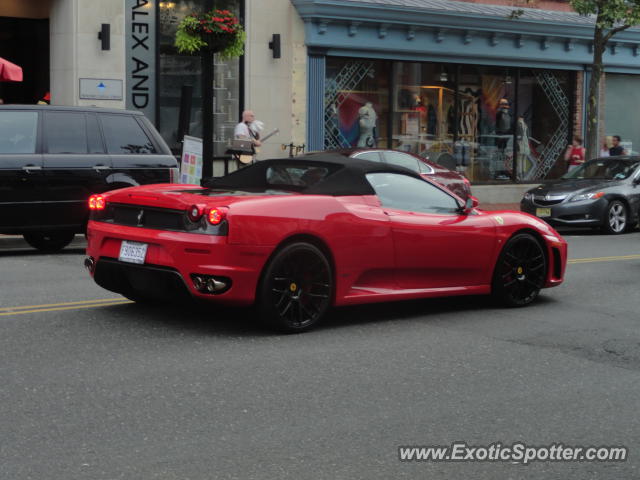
218 31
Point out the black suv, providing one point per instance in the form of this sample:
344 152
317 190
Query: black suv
53 158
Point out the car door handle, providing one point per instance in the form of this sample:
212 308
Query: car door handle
31 168
101 167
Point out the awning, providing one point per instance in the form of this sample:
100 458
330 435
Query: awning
9 72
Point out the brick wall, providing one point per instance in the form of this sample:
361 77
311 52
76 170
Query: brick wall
561 5
578 104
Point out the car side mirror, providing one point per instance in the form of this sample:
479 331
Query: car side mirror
471 203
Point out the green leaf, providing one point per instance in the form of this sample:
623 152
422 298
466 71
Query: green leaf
189 39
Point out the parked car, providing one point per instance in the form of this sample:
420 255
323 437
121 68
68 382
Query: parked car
297 236
602 193
455 182
53 158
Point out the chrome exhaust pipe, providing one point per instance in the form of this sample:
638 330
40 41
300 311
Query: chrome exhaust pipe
198 282
214 285
89 263
209 284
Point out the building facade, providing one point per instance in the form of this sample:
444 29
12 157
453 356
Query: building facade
494 89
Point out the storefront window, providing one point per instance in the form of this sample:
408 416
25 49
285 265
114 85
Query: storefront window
492 124
356 108
543 128
177 70
623 101
484 146
424 110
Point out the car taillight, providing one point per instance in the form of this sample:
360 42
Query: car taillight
217 215
195 213
174 175
97 202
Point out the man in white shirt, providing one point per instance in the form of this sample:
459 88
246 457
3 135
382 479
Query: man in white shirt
244 129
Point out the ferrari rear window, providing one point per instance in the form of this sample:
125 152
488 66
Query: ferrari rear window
295 175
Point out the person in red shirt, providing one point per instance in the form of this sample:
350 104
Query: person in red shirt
575 153
46 100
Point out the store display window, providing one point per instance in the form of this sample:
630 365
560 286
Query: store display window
356 107
491 124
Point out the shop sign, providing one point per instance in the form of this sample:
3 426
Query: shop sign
191 161
140 47
100 89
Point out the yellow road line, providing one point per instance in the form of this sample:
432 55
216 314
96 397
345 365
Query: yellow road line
72 307
603 259
82 302
53 307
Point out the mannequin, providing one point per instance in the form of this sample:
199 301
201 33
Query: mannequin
522 136
461 151
367 122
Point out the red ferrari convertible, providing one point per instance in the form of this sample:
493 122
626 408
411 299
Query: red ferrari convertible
295 237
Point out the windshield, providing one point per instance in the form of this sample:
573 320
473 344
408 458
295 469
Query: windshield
605 169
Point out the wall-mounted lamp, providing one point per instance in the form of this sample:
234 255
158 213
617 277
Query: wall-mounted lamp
444 76
274 45
104 35
507 78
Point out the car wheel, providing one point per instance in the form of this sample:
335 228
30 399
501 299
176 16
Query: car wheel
49 242
296 288
520 271
616 218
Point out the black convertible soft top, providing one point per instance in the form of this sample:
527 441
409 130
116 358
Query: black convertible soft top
340 175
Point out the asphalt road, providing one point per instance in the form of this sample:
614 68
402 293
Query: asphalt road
106 389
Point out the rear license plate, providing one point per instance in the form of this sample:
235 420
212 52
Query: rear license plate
132 252
543 212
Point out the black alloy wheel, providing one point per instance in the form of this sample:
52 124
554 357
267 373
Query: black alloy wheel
616 218
520 271
296 288
49 242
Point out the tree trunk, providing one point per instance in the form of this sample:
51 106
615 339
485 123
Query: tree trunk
592 142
